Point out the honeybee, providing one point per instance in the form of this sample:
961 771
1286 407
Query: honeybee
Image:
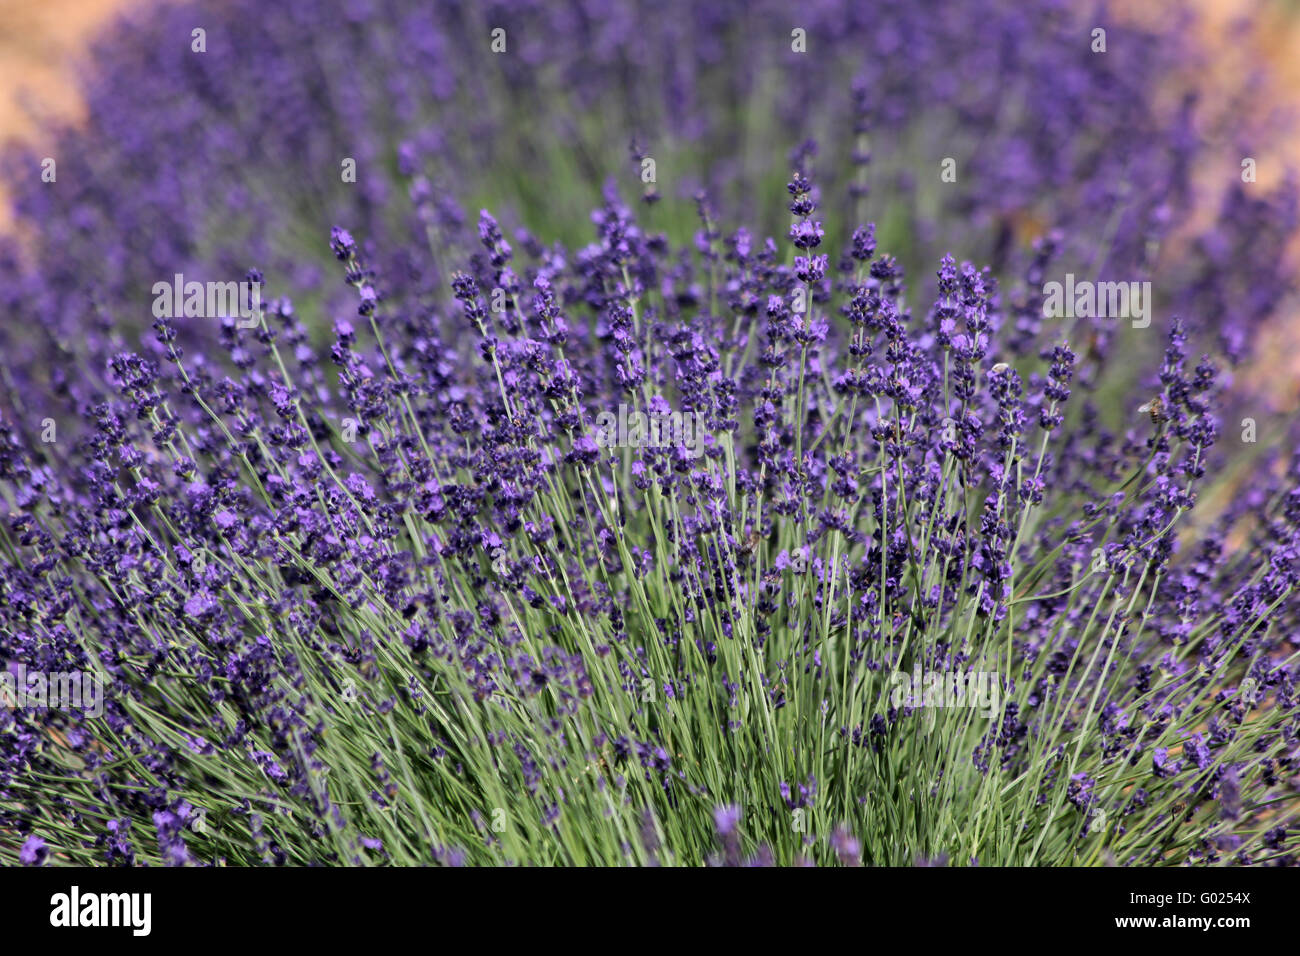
1156 409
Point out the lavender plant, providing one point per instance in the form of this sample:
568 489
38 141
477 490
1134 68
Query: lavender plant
853 579
400 116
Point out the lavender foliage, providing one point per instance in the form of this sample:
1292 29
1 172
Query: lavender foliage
537 536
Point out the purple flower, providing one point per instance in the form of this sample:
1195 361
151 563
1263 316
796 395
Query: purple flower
34 852
846 847
342 243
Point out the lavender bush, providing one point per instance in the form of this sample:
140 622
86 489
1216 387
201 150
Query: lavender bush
641 537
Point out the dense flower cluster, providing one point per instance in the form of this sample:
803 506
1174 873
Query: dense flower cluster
363 583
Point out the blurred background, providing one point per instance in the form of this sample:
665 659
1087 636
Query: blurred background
1251 68
42 44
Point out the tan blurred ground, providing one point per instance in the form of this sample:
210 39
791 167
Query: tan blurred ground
37 40
40 42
